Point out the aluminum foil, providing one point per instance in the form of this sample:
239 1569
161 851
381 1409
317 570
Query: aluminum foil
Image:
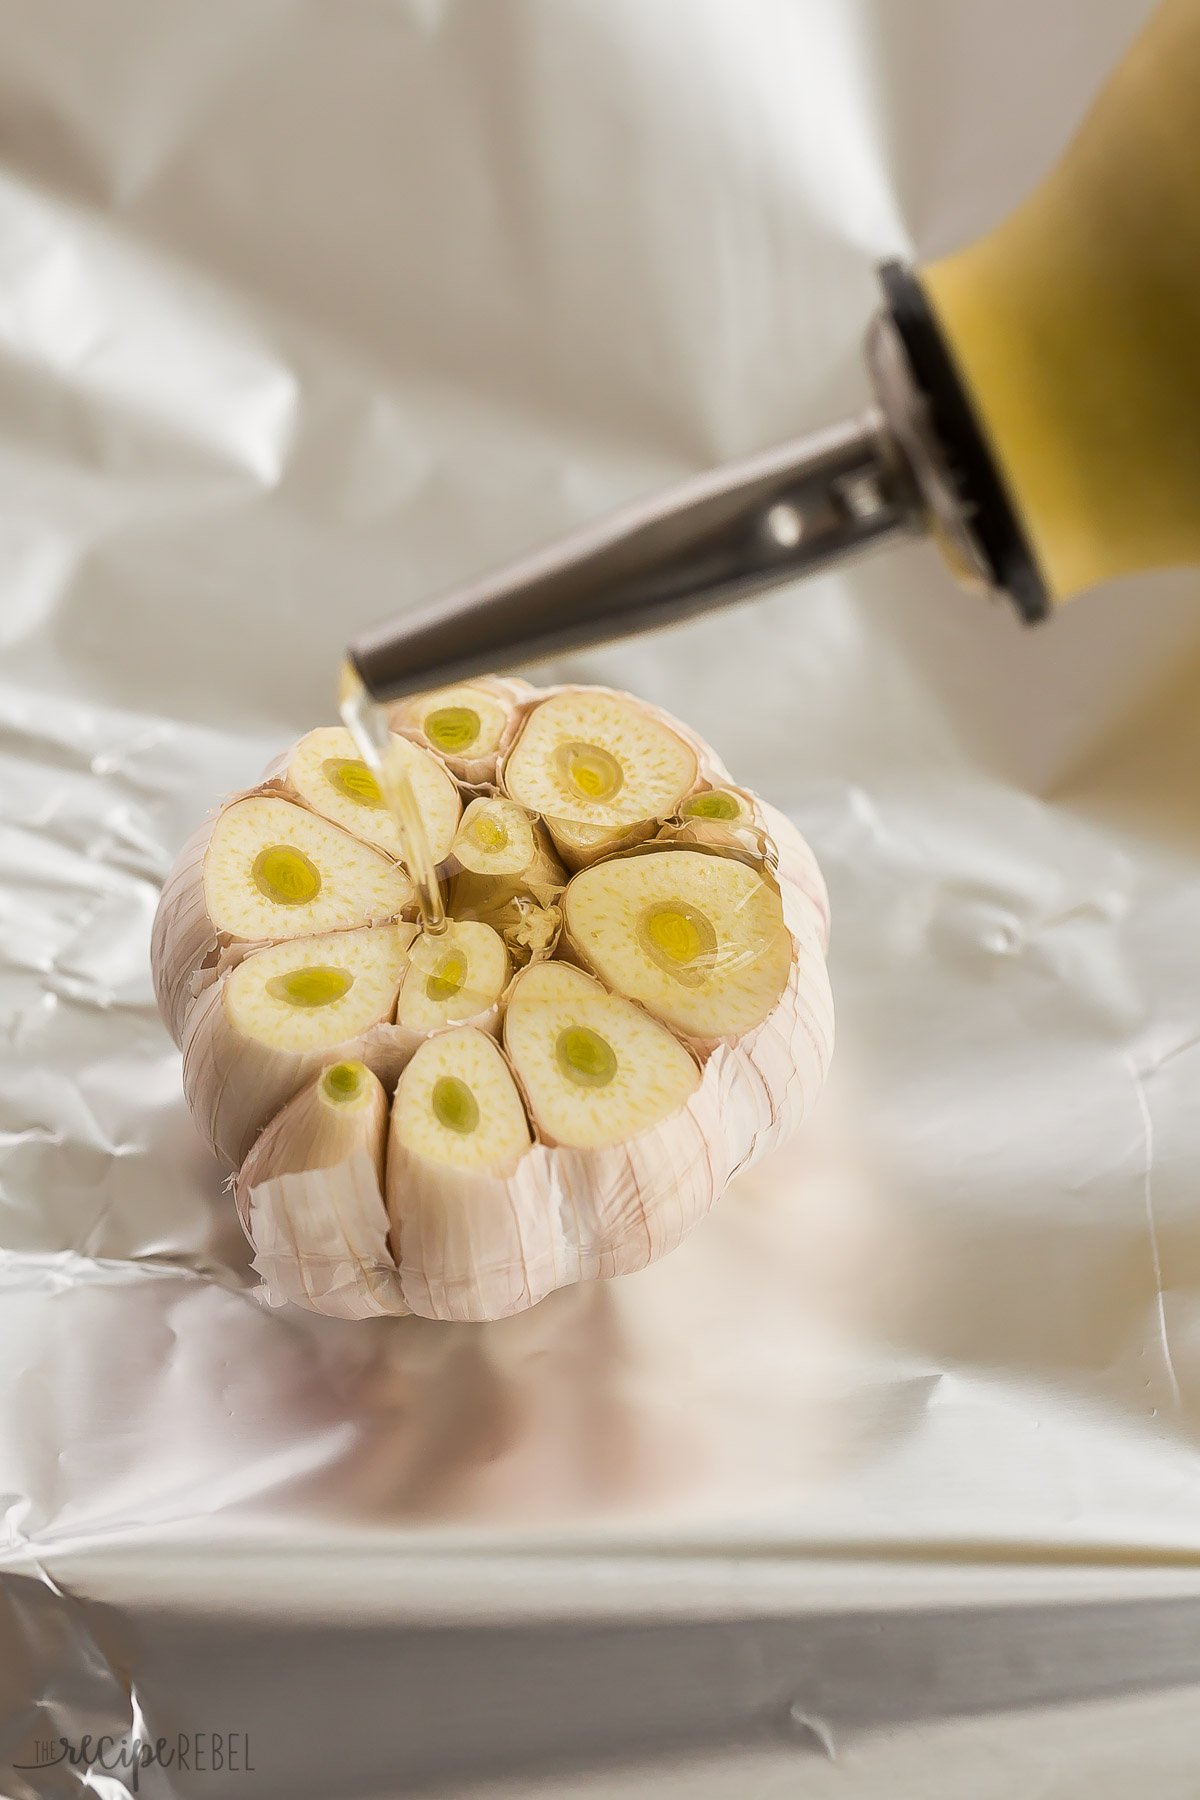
886 1481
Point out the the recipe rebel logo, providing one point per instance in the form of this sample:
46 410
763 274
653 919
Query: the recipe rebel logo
197 1752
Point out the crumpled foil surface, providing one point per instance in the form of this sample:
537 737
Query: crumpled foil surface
886 1482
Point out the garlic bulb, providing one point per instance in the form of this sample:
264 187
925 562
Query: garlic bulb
629 1005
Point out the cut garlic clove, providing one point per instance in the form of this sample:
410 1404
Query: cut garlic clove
590 757
455 977
501 850
187 952
341 1111
255 1038
458 1137
699 940
594 1069
719 806
508 877
326 772
274 870
457 1105
468 726
496 838
310 992
311 1195
719 818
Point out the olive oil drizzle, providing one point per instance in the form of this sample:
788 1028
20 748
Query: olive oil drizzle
367 724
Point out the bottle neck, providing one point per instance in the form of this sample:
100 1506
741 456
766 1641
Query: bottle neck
933 426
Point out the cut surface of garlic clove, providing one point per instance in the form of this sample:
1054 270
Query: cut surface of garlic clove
588 757
467 725
457 975
721 817
309 993
496 838
697 939
594 1069
274 870
457 1107
327 773
722 806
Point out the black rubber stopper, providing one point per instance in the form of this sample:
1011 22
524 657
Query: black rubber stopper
994 522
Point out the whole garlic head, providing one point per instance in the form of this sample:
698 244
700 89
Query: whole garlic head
629 1007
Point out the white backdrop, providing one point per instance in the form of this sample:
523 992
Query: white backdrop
307 311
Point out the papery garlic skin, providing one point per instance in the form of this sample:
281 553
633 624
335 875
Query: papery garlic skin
184 939
390 1226
310 1197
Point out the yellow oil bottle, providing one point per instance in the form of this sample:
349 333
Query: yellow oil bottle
1037 411
1075 327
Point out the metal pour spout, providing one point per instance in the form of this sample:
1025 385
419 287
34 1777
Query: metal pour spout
706 544
896 470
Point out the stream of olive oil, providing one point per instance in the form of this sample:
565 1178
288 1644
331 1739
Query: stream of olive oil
367 724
